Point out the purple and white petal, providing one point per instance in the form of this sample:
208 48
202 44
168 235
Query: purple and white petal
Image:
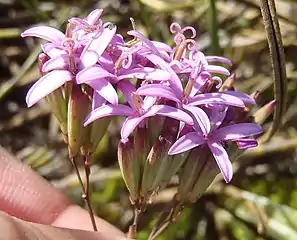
59 62
105 89
146 41
52 50
244 97
92 73
174 80
186 142
218 59
217 69
201 118
172 112
237 131
129 125
246 143
47 84
97 46
127 88
222 159
94 16
97 100
47 33
107 111
148 102
216 98
158 90
146 73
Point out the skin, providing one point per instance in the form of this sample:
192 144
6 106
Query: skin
31 208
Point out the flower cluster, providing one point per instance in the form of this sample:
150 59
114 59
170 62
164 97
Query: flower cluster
167 90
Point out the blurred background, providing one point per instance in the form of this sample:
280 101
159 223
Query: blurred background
260 202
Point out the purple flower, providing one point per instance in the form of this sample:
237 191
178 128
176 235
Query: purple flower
137 112
82 46
175 92
210 133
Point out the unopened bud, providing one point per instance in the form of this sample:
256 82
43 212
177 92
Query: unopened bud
130 169
264 112
159 162
78 108
198 173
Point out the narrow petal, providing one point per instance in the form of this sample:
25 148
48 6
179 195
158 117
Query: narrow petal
105 89
217 69
97 100
52 51
148 102
216 98
246 143
222 159
162 46
46 85
174 79
94 16
127 88
186 142
59 62
146 73
201 118
237 131
218 59
108 110
172 112
145 40
48 33
158 90
92 73
244 97
129 125
218 114
97 46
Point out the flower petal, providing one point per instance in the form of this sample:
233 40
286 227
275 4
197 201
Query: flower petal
47 84
237 131
97 46
218 59
158 90
216 98
94 16
186 142
59 62
222 159
146 41
172 112
127 88
105 89
97 101
148 102
129 125
246 143
52 51
202 120
174 79
108 110
92 73
146 73
48 33
244 97
217 69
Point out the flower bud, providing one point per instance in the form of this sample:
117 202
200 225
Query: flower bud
264 112
159 166
197 174
130 169
78 108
